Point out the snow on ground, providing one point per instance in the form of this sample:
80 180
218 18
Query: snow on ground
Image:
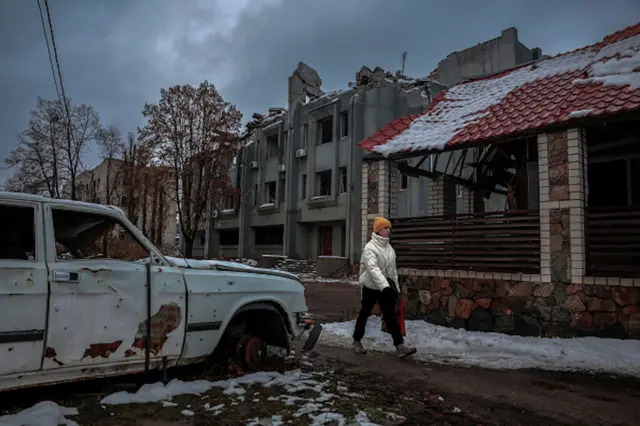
45 413
499 351
319 409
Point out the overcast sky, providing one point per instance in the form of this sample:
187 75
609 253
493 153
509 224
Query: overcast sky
117 54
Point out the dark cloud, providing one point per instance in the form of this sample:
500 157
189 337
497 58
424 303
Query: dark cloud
117 54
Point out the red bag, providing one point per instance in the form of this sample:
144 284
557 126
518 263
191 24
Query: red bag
400 318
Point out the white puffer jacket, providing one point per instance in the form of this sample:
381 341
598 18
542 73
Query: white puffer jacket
378 263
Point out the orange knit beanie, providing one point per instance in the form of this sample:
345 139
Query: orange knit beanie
380 223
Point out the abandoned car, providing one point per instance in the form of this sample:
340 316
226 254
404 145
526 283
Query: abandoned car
84 294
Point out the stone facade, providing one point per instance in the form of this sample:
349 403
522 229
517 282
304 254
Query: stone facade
524 308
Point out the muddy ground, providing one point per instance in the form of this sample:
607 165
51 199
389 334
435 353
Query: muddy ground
388 390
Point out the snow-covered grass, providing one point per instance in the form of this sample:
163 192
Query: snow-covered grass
499 351
45 413
320 409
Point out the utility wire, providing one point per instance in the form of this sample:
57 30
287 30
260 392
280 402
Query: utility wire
55 54
65 101
46 39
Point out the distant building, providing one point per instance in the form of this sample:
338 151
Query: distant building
153 210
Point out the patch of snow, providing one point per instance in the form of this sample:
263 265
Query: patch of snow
499 351
622 71
227 211
580 113
45 413
466 103
457 410
362 419
328 417
166 404
319 197
187 413
266 205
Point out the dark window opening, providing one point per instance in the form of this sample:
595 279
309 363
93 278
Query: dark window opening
229 237
272 146
305 136
269 235
344 124
343 180
404 181
303 190
608 184
323 183
325 127
18 233
203 236
255 194
270 192
282 183
80 235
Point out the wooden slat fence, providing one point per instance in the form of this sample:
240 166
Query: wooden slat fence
613 241
489 242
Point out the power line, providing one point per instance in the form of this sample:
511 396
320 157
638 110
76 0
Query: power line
55 54
46 39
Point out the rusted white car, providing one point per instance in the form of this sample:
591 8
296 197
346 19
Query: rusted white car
83 294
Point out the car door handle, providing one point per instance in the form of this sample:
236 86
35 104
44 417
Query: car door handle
66 277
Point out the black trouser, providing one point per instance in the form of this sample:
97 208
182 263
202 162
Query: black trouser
386 299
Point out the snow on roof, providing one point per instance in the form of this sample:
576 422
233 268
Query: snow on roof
603 78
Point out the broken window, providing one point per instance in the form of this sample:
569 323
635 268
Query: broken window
272 146
255 194
303 189
18 233
325 129
81 235
270 192
343 180
344 124
323 183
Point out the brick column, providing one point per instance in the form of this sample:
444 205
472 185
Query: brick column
370 197
562 195
577 158
394 188
435 203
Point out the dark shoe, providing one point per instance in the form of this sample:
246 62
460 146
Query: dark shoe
404 351
358 348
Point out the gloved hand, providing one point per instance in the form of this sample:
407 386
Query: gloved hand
392 293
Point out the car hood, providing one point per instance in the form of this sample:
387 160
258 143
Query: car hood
222 265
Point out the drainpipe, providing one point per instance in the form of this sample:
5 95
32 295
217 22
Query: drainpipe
352 155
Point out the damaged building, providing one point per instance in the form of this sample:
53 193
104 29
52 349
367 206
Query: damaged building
300 176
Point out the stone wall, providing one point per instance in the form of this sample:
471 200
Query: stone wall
524 308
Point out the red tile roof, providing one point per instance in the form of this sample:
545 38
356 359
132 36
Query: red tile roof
598 80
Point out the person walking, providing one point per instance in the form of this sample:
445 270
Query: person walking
379 284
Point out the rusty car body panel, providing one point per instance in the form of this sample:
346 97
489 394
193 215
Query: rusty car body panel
68 319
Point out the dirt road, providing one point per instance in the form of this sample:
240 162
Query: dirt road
343 386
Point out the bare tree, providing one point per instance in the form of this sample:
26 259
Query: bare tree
45 157
193 130
109 141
